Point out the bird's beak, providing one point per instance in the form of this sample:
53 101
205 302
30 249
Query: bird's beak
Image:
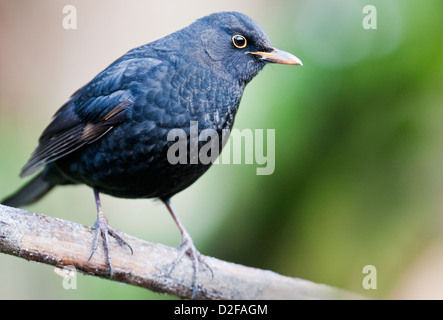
278 56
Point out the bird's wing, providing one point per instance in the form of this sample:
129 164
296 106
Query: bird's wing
92 112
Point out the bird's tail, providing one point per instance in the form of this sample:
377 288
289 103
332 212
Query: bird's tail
29 193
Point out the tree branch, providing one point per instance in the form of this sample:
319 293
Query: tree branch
67 244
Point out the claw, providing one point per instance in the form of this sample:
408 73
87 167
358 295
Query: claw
187 247
102 228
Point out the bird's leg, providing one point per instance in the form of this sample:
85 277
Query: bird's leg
187 247
102 228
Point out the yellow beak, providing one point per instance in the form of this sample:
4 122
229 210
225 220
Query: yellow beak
278 56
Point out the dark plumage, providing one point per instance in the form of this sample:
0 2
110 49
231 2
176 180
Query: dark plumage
112 134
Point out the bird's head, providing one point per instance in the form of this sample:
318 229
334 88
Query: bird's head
234 44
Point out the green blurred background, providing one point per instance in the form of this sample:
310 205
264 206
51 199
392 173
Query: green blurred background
358 178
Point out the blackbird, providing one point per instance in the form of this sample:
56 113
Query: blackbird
112 134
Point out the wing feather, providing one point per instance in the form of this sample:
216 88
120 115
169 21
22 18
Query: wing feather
63 136
92 112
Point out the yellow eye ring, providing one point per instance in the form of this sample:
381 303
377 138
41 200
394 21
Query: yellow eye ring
239 41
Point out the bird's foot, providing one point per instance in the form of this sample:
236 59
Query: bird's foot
102 228
187 247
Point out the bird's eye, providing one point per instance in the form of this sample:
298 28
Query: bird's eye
239 41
